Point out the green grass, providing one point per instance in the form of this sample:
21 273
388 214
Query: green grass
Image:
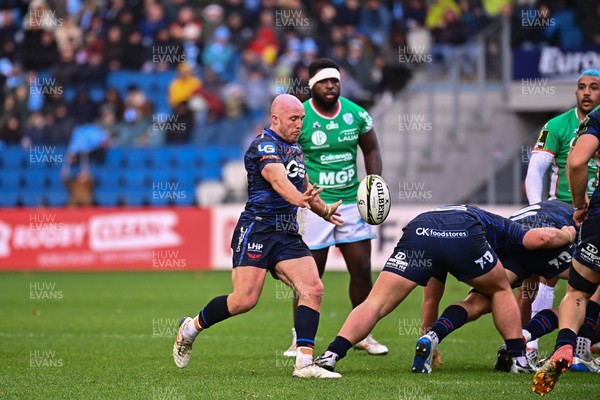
109 336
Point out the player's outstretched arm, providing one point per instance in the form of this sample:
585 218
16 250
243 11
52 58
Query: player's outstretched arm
276 175
549 238
534 181
577 173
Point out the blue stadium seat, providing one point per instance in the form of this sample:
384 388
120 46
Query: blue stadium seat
107 178
134 179
211 156
132 197
10 179
106 197
209 173
187 177
9 198
57 198
33 197
160 158
12 157
114 158
34 178
162 174
232 153
135 158
54 179
185 157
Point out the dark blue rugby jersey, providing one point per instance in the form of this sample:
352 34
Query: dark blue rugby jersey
264 203
553 214
501 233
591 126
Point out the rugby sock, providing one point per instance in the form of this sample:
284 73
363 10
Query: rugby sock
451 319
541 324
516 349
543 300
304 356
586 332
566 336
306 324
339 346
215 311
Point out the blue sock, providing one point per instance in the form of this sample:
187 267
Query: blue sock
451 319
215 311
566 336
541 324
515 347
340 346
589 323
306 324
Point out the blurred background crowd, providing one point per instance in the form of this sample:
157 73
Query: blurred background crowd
98 74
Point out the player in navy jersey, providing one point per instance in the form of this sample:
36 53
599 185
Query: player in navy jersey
519 265
584 274
464 241
266 238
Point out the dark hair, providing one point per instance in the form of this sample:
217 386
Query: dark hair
319 64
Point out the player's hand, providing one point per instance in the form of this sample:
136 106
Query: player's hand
309 195
436 361
334 216
579 216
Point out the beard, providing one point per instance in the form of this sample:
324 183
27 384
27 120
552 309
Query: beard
325 105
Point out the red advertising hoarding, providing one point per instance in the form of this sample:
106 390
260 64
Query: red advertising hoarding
105 238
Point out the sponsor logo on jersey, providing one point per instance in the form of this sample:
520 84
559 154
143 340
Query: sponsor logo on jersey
254 256
266 147
332 125
348 135
335 158
294 169
348 118
442 234
318 138
316 125
541 141
398 261
336 178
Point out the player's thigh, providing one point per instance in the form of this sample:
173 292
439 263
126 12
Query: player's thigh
357 256
248 282
492 281
301 275
389 290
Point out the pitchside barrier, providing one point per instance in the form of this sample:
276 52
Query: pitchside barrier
182 238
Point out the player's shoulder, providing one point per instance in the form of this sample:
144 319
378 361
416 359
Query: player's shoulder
591 123
558 123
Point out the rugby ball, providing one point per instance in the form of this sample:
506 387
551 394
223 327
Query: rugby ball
373 199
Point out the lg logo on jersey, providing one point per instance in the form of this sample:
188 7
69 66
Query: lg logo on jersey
266 147
294 169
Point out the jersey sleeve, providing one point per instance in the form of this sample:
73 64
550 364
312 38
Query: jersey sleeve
590 125
548 140
265 152
515 233
365 119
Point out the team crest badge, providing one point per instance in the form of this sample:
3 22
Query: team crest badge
316 125
348 118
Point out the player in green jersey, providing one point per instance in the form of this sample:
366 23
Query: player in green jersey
552 148
333 129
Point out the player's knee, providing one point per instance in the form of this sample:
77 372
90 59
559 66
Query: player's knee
580 283
315 290
242 304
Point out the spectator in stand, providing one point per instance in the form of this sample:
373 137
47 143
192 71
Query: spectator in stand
127 22
591 29
92 43
415 13
181 132
565 32
184 85
112 99
154 20
348 16
61 127
135 53
187 30
10 130
213 16
167 52
93 73
375 21
449 34
240 34
257 99
83 109
38 50
35 132
265 43
115 49
137 118
68 35
220 54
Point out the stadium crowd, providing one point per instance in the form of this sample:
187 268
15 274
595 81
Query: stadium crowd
57 58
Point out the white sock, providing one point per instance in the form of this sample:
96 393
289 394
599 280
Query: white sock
190 331
434 339
583 348
527 337
304 357
294 336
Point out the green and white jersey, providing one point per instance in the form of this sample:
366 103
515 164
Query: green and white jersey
556 138
329 146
